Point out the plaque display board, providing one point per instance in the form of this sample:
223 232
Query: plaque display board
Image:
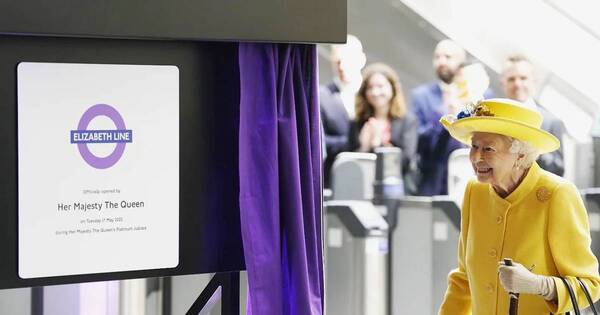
61 235
98 168
120 159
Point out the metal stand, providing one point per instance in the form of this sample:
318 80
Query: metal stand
37 301
230 294
392 219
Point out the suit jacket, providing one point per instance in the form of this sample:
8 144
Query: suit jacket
427 105
335 122
435 144
542 222
553 162
404 136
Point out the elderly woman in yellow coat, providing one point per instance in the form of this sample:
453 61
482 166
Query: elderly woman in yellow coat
517 210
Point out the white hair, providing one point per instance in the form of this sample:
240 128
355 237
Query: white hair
529 152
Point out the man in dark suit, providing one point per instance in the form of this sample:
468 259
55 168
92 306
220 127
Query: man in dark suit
429 102
518 83
337 98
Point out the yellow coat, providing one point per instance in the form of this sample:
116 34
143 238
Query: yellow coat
542 222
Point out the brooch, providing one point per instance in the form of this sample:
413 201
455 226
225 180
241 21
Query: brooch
543 194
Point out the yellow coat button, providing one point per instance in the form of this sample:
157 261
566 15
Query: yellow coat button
490 288
492 252
499 219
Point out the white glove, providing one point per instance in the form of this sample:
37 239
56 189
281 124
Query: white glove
518 279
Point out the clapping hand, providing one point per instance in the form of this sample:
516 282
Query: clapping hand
366 137
370 135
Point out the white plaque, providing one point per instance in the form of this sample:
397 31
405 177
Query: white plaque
98 154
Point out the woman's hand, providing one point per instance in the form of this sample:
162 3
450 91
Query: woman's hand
518 279
377 128
366 137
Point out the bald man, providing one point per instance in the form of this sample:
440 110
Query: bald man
337 97
518 83
430 102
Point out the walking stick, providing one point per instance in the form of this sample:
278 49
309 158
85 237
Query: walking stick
513 308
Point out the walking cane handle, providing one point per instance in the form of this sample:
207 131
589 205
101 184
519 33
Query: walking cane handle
513 308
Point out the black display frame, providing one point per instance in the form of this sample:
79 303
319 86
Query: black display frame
209 229
305 21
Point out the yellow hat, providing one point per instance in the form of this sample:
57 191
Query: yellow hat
501 116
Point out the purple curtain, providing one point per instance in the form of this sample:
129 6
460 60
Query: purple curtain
280 178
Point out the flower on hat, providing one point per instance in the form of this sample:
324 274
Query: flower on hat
464 114
473 109
467 111
482 110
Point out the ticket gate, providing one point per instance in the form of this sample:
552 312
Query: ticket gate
136 296
361 277
352 176
356 259
596 161
424 235
591 198
460 171
17 301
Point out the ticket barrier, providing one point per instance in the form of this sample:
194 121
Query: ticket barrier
596 159
356 270
423 238
460 172
591 198
137 296
17 301
424 235
352 176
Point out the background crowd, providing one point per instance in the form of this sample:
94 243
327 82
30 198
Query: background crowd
364 107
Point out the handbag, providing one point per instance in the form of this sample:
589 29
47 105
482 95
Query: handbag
574 298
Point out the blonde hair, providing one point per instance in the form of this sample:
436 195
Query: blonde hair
364 110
